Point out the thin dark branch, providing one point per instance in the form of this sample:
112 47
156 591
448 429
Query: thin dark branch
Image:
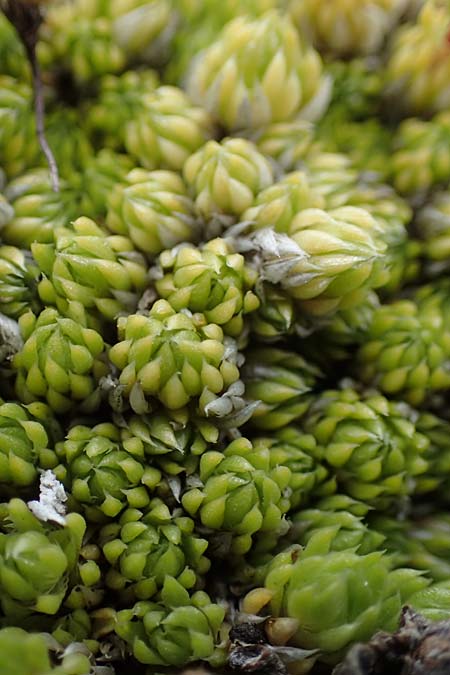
26 19
40 116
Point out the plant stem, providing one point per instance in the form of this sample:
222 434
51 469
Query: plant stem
26 19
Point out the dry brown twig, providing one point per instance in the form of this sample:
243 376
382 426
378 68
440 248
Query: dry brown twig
26 17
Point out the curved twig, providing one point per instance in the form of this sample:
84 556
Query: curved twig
26 19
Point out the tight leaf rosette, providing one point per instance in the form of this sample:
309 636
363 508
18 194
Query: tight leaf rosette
393 215
336 338
18 143
167 129
282 381
209 18
157 126
13 60
173 358
103 273
154 210
36 560
18 282
98 177
291 447
286 142
432 226
103 473
27 434
143 548
422 543
275 317
421 157
417 72
406 348
331 174
277 205
243 492
437 431
370 443
91 39
327 261
144 29
120 98
163 433
350 532
38 210
32 653
347 27
174 631
258 72
225 177
61 362
213 280
84 46
336 597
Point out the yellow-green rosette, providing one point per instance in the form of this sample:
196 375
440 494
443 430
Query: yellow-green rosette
258 72
18 142
102 272
83 45
418 67
310 479
167 129
406 348
243 491
175 358
174 631
333 598
370 443
38 211
421 159
154 210
277 205
213 280
120 98
27 435
144 29
144 547
61 362
281 381
225 177
36 560
104 474
18 282
286 142
328 260
347 27
432 227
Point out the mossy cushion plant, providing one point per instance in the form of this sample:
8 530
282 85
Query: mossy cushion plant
224 336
